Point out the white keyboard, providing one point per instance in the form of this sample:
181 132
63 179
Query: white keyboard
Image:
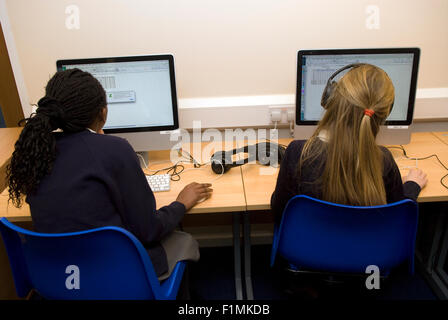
159 182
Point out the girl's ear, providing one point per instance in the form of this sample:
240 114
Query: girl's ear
104 111
103 115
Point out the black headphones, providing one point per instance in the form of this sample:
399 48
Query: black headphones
266 153
329 88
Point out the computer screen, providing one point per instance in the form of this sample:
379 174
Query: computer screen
316 66
140 90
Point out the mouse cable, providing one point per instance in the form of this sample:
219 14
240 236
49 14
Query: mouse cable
424 158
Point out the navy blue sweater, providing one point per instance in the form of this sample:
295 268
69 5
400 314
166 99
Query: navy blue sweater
96 181
289 184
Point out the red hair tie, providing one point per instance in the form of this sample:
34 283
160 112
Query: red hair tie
369 112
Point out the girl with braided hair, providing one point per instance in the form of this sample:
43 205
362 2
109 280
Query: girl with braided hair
75 178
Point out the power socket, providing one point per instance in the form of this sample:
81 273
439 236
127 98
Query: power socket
291 115
282 113
276 115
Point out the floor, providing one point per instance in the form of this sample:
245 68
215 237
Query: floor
212 278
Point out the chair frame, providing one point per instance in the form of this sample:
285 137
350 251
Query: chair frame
13 237
362 209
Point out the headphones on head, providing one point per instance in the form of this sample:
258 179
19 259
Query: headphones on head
266 153
331 85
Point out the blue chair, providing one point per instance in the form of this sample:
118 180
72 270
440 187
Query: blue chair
110 263
321 236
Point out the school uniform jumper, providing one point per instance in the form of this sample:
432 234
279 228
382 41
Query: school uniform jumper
96 181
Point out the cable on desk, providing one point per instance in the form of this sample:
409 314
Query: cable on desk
143 159
176 169
197 165
189 157
424 158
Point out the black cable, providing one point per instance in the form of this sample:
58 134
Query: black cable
196 163
424 158
175 170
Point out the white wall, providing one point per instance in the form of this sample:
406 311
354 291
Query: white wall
14 58
232 48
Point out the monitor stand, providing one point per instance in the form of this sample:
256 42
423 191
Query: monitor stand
142 142
148 141
388 135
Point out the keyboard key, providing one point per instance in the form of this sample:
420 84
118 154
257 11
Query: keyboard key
159 182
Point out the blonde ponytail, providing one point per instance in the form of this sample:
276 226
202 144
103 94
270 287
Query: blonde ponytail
370 157
353 167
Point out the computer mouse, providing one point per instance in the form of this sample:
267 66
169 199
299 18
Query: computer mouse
201 200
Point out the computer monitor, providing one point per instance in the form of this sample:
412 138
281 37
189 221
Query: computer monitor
141 96
314 67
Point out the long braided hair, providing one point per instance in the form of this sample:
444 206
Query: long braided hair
73 101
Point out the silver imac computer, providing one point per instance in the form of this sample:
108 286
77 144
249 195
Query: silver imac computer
314 67
141 97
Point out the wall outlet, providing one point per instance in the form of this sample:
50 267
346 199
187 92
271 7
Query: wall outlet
276 116
291 115
282 114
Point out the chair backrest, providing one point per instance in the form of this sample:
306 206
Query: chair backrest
103 263
318 235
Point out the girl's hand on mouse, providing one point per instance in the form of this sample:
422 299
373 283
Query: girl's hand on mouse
418 176
193 192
